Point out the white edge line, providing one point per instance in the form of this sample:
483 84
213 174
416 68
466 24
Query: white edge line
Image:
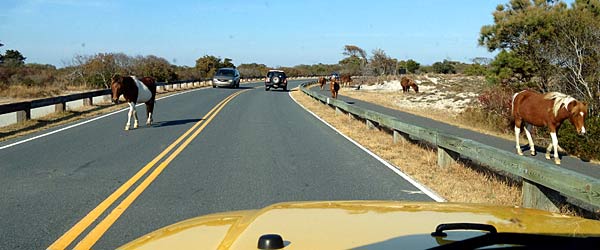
88 121
396 170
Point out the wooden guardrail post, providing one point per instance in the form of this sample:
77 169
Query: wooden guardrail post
338 111
370 124
60 107
445 157
23 115
351 116
540 197
399 136
88 101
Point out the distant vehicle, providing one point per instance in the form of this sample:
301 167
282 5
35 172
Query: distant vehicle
226 77
276 79
335 76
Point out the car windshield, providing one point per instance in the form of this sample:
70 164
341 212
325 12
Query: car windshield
118 118
225 72
271 74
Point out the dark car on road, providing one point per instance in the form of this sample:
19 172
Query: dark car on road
276 79
226 77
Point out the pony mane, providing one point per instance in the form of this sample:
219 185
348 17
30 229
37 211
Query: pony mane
560 99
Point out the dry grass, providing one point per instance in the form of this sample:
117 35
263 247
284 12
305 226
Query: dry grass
22 92
456 183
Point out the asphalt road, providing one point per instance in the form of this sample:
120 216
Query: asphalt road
567 162
258 149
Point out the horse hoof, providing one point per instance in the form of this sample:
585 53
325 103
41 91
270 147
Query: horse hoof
532 153
126 128
519 153
557 162
548 156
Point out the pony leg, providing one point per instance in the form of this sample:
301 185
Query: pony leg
129 114
518 146
149 109
531 146
135 121
548 149
555 146
149 121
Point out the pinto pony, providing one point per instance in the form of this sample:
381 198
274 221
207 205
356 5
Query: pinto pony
334 86
322 81
346 80
134 91
549 110
407 83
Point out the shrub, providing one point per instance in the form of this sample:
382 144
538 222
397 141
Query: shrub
445 67
475 70
498 101
585 147
493 111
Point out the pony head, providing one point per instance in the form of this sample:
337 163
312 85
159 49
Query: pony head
415 86
578 112
116 86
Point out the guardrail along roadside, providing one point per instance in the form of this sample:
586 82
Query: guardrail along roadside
545 186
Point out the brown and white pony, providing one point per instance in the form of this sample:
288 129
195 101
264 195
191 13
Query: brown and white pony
334 87
406 83
549 110
322 81
134 91
346 80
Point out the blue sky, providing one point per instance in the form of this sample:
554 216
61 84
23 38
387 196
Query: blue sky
276 33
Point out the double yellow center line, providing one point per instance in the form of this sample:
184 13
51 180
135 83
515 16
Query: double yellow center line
94 235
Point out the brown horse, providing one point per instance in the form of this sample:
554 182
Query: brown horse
346 80
134 91
334 86
549 110
322 81
407 83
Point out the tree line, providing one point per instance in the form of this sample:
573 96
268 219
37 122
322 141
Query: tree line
95 71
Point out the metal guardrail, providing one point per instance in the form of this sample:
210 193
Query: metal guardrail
545 186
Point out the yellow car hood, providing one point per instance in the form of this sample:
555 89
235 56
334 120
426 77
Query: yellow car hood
355 224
